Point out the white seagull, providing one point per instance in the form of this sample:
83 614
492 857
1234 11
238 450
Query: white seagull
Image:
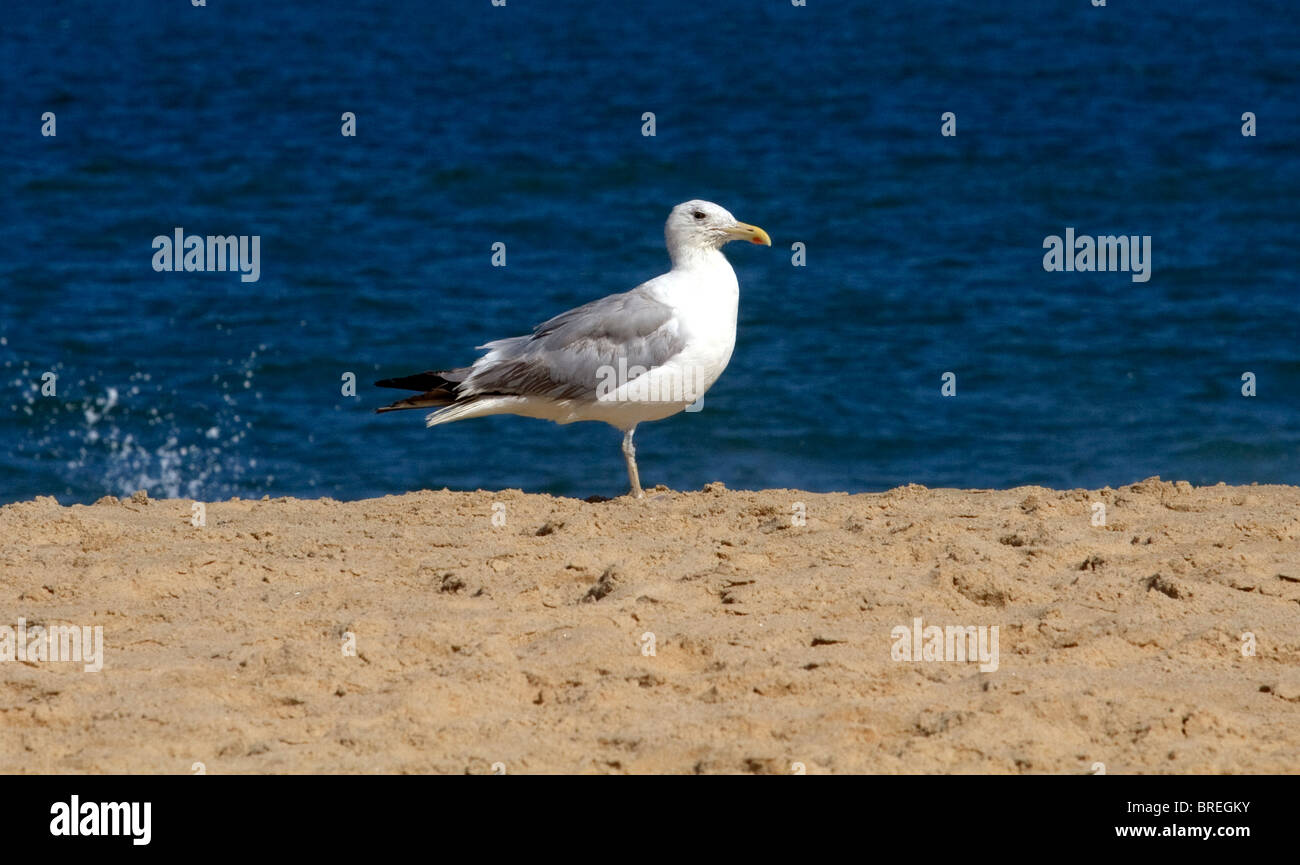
638 356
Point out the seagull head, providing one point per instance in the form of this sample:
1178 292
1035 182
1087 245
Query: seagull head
699 226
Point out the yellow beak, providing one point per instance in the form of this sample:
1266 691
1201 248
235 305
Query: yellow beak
752 233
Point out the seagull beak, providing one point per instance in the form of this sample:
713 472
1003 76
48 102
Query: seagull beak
752 233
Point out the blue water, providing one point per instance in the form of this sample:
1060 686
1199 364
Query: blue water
522 125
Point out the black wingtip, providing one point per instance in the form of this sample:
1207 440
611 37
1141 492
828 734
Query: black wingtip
424 380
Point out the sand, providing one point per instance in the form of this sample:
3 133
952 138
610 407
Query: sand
700 632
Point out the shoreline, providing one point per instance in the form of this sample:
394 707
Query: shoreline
713 631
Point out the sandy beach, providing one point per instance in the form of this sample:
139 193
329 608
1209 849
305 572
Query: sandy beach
711 631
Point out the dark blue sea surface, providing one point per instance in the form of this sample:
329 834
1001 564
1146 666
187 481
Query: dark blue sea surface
523 124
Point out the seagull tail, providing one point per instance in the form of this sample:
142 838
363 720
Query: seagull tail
466 408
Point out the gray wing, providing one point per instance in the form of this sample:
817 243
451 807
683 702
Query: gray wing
564 357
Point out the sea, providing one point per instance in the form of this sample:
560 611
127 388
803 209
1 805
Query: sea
912 162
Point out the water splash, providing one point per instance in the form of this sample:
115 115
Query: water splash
114 439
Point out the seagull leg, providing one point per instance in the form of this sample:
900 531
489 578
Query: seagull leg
629 454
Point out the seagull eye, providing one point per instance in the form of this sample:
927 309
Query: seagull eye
699 214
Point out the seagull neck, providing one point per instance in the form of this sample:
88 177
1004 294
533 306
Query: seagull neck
697 258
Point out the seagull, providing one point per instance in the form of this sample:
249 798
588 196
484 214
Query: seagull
641 355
